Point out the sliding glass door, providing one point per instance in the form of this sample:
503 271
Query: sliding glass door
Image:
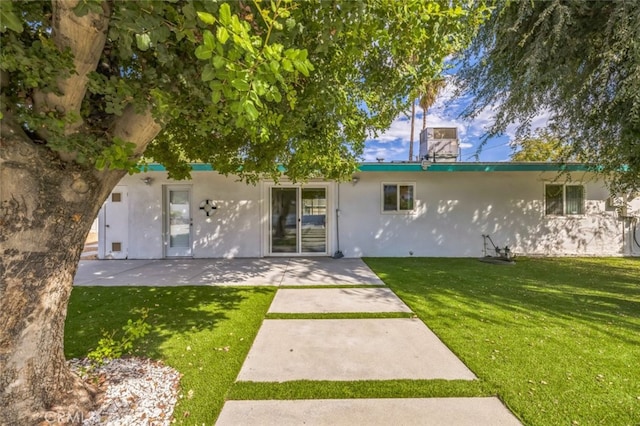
298 220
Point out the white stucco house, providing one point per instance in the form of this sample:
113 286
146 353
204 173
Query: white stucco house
388 209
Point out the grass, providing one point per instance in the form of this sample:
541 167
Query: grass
305 389
203 332
558 340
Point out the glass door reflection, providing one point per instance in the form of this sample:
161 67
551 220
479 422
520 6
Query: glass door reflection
284 220
179 222
313 230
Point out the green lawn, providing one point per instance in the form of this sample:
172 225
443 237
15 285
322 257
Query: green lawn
558 340
203 332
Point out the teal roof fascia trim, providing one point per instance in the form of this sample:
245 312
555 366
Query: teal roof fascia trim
390 167
195 167
431 167
508 167
155 167
474 167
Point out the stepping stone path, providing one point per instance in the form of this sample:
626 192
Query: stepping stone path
350 350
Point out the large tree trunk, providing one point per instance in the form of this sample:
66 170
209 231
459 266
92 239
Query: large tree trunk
47 207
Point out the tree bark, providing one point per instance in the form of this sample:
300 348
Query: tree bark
85 37
47 207
413 119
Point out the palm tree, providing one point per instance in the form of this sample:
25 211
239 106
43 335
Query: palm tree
429 94
413 119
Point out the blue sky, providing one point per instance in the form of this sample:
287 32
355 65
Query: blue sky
393 145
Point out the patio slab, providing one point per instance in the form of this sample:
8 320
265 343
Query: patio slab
337 300
371 412
351 349
236 272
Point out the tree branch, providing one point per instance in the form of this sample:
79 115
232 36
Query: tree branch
136 128
86 37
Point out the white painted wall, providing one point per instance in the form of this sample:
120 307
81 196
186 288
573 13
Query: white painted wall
453 210
233 230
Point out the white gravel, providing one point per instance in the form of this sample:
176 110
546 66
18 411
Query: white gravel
138 391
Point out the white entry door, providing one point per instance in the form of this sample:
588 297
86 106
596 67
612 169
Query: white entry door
116 224
178 239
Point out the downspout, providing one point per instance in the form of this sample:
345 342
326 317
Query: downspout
338 254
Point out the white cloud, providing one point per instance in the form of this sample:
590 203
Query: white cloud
393 144
388 152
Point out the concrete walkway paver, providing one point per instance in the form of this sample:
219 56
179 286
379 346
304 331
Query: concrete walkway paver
337 300
349 349
354 350
370 412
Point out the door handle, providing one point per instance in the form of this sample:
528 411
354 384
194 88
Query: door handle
106 226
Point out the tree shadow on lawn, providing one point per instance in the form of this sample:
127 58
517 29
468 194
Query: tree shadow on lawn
171 310
603 293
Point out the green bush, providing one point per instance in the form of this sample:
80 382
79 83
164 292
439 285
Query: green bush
111 347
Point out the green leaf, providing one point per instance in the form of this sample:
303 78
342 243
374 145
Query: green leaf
290 23
287 65
208 40
207 18
302 67
240 84
276 94
225 14
100 163
143 41
216 95
203 52
222 34
218 61
81 9
251 110
8 20
208 73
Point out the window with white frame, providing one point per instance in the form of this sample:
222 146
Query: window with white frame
398 197
563 199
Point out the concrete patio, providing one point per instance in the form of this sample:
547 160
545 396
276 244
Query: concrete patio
237 272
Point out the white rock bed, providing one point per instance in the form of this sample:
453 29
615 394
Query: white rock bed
137 392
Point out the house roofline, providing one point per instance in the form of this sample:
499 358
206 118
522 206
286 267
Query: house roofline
475 167
432 167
